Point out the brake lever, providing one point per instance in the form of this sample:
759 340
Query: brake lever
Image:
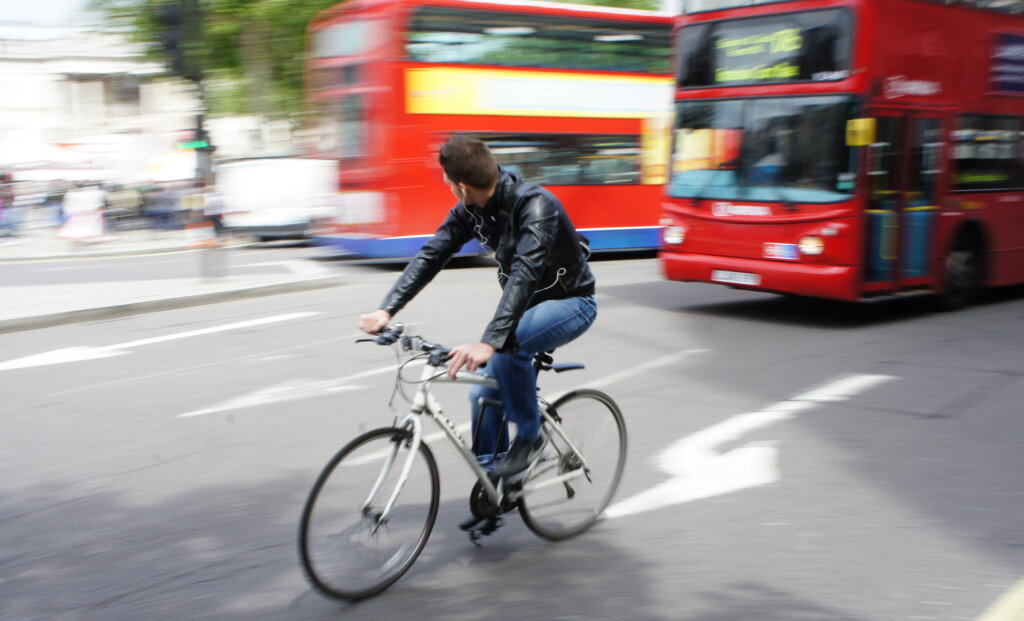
438 357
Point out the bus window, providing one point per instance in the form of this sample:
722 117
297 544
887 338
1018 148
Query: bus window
353 136
568 159
988 153
347 39
466 36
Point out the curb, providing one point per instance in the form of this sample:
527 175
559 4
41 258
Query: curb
93 255
107 254
148 306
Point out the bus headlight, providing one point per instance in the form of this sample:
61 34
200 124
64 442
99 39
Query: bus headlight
673 235
811 245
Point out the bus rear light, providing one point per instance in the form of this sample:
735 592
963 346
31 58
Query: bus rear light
673 235
811 245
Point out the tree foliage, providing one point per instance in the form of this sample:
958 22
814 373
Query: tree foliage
252 52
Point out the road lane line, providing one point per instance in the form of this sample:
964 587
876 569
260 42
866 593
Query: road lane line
224 328
1009 607
196 367
699 470
83 353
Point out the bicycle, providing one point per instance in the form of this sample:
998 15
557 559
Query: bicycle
373 506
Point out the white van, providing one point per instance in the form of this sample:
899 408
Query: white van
276 198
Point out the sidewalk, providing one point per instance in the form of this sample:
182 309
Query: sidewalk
26 307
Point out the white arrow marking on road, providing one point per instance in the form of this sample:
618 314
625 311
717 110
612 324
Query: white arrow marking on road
77 354
305 389
288 391
297 389
699 471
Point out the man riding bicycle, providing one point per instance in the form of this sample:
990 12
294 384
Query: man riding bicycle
547 295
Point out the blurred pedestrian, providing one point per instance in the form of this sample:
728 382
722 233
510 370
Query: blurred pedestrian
9 222
84 210
213 208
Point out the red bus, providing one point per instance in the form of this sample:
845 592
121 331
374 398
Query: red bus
572 97
848 149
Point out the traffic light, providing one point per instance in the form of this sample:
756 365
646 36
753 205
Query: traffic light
179 24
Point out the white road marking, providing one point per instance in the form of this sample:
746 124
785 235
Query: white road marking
630 372
463 428
287 391
196 367
643 368
1009 607
305 389
81 353
699 471
295 265
292 390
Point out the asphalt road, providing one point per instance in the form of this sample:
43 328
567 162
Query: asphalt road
788 459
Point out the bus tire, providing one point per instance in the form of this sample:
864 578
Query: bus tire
963 273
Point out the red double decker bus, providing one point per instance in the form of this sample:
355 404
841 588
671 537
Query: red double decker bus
848 149
573 97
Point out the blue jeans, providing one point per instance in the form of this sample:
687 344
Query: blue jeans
544 327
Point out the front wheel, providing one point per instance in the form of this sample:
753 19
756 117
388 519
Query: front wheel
965 276
579 469
349 549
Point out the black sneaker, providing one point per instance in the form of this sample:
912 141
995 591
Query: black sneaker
518 458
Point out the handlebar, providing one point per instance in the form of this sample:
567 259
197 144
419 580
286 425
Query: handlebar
438 354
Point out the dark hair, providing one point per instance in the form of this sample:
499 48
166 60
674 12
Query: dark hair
468 160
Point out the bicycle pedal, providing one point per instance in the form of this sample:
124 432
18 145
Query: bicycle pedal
488 526
470 521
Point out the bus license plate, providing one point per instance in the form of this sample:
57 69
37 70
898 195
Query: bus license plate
736 278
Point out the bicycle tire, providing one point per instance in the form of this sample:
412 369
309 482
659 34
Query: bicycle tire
346 554
594 423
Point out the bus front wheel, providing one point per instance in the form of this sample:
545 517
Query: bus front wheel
964 274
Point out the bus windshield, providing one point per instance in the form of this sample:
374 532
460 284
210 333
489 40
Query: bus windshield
789 149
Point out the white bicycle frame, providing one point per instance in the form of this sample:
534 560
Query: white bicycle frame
425 402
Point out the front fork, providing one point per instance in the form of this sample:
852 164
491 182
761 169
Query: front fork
411 425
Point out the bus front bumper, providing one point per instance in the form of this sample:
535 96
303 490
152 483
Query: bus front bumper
826 281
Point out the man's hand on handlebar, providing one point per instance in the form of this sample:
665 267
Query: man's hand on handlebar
373 323
470 356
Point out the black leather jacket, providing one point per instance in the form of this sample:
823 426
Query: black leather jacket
539 253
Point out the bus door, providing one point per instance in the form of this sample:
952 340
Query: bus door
903 170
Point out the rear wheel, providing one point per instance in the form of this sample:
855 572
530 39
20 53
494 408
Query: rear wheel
348 550
593 424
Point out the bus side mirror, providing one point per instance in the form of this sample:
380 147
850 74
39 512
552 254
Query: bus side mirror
860 132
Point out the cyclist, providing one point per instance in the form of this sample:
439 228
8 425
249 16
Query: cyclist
547 295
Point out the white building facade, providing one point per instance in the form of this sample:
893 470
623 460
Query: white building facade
87 106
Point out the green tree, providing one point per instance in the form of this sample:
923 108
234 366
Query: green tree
252 52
